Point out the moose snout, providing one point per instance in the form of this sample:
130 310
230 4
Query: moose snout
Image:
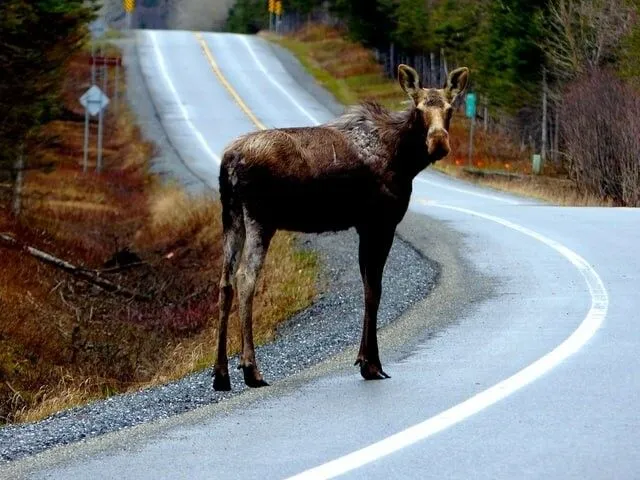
438 143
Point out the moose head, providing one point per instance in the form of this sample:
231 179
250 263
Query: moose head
434 105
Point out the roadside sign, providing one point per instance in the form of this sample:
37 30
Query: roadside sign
278 8
129 5
470 110
108 61
94 100
98 28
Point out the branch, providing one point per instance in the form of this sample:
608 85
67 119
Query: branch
9 241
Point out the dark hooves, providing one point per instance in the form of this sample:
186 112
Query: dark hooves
252 377
221 383
371 371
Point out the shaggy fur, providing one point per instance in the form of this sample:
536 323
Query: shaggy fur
355 171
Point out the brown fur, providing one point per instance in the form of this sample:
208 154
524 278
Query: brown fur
355 171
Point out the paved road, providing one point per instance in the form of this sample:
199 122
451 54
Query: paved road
538 379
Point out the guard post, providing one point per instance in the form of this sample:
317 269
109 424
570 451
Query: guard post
470 112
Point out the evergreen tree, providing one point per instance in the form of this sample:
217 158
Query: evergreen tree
509 56
248 16
36 41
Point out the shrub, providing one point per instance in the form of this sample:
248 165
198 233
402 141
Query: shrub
600 126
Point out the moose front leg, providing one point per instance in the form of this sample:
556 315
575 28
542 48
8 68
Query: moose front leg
373 253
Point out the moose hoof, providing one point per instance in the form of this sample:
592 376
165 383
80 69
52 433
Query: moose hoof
371 371
221 382
253 378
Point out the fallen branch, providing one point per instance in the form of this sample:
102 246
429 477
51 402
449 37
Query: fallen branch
90 277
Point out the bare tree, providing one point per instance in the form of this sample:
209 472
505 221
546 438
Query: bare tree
584 33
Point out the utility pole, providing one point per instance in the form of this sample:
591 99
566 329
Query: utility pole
17 188
543 147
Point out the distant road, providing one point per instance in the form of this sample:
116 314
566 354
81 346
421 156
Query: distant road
537 380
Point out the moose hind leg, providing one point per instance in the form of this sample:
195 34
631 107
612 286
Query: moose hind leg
373 253
256 245
233 241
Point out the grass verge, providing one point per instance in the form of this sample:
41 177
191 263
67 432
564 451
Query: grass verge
64 341
350 72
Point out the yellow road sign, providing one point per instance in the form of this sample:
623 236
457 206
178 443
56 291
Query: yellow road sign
272 6
129 5
278 7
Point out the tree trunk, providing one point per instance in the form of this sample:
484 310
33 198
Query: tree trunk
79 272
16 205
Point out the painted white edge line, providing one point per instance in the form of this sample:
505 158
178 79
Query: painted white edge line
467 192
486 398
185 114
274 82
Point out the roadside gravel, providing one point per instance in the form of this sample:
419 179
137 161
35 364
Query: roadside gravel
332 323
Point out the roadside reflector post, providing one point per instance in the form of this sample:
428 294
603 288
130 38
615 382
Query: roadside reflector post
470 112
536 166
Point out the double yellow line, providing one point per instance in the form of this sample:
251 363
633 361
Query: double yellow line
225 83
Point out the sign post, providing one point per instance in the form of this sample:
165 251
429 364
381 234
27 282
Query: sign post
278 13
272 9
470 112
129 7
94 102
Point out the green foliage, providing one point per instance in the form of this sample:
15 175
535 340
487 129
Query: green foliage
411 23
370 22
454 27
248 16
36 40
509 58
629 50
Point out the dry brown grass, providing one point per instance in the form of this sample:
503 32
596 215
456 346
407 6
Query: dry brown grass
554 190
64 342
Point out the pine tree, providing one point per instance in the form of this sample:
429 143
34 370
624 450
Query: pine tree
36 40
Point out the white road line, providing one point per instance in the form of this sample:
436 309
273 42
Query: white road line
185 114
272 80
486 398
467 192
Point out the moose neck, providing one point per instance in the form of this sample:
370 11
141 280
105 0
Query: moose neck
405 136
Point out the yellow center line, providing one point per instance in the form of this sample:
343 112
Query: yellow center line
225 83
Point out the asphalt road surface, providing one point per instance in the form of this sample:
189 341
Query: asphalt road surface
537 378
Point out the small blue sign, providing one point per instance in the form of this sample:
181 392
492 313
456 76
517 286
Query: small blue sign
470 111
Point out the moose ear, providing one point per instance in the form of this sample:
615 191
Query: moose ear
456 83
409 81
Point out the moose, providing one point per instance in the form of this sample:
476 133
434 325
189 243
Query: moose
355 171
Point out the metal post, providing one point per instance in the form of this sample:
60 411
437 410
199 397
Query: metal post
101 114
85 156
473 123
93 62
115 88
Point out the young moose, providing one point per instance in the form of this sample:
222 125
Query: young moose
355 171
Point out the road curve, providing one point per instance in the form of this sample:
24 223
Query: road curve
537 379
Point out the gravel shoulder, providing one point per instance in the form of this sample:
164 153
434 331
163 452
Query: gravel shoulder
318 333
